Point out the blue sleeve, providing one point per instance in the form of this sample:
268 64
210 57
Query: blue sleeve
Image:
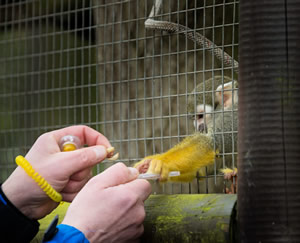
67 233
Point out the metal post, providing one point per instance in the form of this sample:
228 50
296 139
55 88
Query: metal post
269 122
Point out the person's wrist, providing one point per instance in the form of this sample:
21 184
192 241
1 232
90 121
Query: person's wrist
19 192
17 199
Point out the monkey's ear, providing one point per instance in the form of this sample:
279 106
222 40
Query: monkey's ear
225 97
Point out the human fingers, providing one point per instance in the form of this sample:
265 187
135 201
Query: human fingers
78 160
75 186
81 175
141 187
86 135
116 175
69 197
133 233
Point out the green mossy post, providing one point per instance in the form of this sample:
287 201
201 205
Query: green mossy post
180 218
189 218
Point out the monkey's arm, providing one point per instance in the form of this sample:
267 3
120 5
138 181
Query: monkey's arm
188 157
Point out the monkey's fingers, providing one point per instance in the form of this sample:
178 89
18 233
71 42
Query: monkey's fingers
164 174
229 173
143 165
158 167
155 166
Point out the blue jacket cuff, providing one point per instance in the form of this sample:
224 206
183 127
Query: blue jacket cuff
67 233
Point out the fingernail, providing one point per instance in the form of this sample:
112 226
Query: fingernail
133 171
100 152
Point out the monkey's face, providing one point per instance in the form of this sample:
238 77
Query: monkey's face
202 117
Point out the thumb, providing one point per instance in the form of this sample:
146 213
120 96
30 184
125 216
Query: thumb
83 158
116 175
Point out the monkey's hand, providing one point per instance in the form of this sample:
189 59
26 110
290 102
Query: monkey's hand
187 157
230 174
144 164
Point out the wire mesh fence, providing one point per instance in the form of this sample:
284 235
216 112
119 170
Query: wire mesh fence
97 63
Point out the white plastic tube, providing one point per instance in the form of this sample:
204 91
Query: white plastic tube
149 176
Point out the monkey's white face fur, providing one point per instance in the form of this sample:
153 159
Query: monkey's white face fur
203 116
225 96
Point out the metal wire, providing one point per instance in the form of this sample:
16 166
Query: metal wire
96 63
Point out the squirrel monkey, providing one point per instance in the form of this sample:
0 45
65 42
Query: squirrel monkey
201 110
200 149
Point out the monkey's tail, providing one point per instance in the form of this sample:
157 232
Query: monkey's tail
196 37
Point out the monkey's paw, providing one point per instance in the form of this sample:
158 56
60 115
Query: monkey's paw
154 165
143 165
230 174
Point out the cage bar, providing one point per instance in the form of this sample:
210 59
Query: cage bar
268 192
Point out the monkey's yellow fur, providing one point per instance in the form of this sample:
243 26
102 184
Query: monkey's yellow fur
193 153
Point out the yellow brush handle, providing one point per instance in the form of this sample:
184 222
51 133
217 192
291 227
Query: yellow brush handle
47 188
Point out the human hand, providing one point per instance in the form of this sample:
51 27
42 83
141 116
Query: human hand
110 207
66 172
